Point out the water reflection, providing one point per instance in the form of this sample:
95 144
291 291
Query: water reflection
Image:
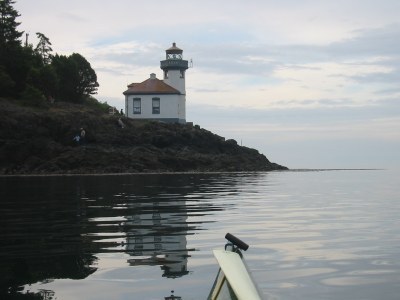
159 237
56 227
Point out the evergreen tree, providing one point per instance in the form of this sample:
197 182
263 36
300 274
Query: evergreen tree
9 35
29 72
12 67
43 48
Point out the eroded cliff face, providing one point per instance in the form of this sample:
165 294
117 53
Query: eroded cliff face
41 141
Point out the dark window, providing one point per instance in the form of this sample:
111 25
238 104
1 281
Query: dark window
137 106
156 106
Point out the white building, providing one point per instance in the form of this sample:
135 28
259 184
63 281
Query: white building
161 100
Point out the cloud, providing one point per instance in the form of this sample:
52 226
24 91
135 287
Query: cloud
277 75
379 41
383 116
298 80
274 56
311 137
260 76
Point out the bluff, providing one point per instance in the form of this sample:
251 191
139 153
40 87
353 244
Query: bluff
40 141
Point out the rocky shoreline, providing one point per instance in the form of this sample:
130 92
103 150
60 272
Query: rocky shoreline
39 141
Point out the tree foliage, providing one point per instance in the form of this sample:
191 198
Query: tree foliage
9 35
45 80
43 48
77 80
6 82
86 79
27 71
11 55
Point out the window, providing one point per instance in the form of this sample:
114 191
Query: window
137 106
156 106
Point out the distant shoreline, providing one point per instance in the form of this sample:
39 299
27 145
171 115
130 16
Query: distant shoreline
336 169
188 172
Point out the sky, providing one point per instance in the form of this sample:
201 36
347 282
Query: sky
308 83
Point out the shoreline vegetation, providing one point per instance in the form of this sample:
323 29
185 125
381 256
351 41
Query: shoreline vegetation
51 124
40 141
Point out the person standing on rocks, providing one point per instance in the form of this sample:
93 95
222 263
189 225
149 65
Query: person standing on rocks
83 135
77 138
120 123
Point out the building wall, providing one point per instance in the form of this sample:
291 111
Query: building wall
172 108
176 80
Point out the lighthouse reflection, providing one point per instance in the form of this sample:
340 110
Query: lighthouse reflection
147 217
58 227
158 237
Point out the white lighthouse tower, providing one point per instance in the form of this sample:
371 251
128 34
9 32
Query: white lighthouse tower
174 67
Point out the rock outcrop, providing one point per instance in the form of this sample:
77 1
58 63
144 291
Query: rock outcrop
40 141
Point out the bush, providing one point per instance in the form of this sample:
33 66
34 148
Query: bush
31 96
102 106
6 83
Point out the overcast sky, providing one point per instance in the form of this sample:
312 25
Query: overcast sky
308 83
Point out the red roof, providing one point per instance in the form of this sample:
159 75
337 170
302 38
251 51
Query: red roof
150 86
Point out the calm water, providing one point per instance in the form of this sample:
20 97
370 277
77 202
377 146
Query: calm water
312 234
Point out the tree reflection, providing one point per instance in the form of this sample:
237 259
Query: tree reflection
41 236
55 227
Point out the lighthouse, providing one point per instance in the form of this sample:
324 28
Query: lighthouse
160 100
174 67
